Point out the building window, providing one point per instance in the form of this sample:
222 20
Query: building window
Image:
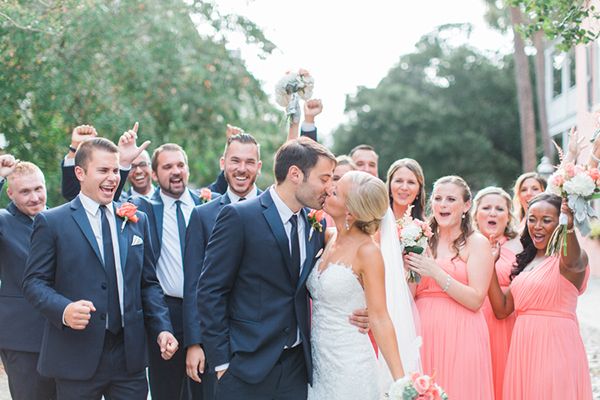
589 75
558 60
572 68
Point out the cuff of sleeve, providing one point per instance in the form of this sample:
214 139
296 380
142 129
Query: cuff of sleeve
307 126
69 162
124 168
221 367
63 317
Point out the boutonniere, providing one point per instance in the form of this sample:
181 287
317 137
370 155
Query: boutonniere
127 212
314 218
205 195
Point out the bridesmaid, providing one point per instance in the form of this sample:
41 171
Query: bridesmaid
547 358
406 187
526 187
456 345
493 217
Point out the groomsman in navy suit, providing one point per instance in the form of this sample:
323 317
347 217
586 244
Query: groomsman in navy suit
241 165
91 273
252 299
169 211
20 325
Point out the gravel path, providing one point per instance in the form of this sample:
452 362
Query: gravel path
587 311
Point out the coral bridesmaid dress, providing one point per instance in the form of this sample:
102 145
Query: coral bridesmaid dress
456 345
547 358
500 329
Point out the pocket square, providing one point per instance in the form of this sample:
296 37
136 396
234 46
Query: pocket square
137 240
319 253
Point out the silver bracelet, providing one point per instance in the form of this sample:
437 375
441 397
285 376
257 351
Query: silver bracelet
447 285
595 158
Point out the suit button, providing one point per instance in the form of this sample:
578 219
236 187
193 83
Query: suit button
103 286
286 330
103 316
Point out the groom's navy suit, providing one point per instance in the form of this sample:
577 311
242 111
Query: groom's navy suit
250 298
65 265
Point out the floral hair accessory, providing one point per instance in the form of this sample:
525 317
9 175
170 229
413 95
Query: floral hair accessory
127 212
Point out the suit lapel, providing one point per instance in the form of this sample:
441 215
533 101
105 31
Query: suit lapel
310 250
157 209
274 220
82 220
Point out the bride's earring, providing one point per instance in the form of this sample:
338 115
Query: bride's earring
346 224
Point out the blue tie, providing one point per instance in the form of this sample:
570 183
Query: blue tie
181 228
114 310
295 257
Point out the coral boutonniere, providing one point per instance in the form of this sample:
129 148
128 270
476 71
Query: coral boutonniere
127 212
205 195
314 218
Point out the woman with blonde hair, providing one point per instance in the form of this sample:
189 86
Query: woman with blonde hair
493 217
453 287
526 187
349 275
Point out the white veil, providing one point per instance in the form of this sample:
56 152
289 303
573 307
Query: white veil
400 304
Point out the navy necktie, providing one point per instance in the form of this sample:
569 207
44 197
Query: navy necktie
295 256
181 228
114 309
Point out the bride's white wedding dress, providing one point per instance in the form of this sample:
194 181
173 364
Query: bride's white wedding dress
344 362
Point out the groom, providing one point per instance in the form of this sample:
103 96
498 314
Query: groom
252 298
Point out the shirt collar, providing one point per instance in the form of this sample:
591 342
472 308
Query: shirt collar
284 211
185 198
234 198
135 193
91 206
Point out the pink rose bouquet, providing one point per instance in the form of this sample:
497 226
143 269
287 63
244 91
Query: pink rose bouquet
416 387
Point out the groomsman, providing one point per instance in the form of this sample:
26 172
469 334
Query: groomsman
241 165
129 155
91 273
366 159
169 211
20 325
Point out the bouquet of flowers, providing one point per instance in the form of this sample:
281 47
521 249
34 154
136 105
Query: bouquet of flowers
578 184
416 387
414 235
292 87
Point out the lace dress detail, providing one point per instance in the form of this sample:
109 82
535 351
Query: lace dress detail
344 362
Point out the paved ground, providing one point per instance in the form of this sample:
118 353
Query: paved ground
589 304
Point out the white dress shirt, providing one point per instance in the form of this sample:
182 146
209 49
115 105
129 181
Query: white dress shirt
234 198
169 268
92 210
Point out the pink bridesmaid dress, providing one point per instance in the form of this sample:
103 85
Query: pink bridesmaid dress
547 358
500 329
456 344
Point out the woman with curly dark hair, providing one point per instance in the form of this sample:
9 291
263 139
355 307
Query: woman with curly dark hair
547 359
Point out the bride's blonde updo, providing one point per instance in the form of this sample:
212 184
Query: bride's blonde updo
367 200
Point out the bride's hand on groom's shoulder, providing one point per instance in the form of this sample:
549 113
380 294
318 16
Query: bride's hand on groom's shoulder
360 319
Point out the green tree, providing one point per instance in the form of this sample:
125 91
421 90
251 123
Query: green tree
109 64
450 107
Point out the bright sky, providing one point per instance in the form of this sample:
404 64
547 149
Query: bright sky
346 44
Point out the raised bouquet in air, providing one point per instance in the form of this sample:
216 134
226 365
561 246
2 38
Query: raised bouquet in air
291 88
414 235
416 387
578 184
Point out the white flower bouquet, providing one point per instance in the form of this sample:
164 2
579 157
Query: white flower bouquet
292 87
578 184
413 235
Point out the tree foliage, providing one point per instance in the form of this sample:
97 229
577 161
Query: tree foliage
559 19
448 106
111 63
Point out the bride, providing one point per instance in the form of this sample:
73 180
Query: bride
351 275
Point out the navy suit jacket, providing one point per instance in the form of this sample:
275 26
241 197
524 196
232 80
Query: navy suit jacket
154 208
70 186
201 224
20 325
246 292
65 265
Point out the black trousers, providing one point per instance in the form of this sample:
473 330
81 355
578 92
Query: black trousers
168 380
24 382
286 381
111 379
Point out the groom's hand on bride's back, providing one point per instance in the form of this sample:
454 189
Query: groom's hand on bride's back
360 319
